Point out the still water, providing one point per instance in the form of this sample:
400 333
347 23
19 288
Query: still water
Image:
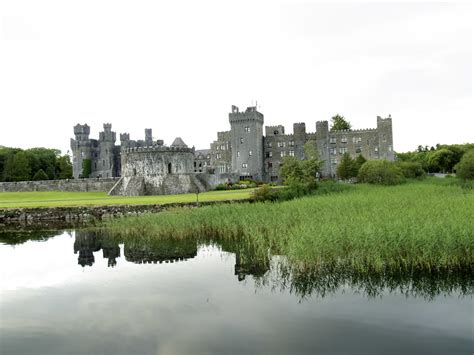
77 292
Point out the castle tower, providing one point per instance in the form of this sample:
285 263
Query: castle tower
148 137
105 165
385 135
299 139
81 149
247 142
322 144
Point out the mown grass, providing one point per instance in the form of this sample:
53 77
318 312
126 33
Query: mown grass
57 198
426 225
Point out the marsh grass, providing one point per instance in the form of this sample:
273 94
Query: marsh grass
423 225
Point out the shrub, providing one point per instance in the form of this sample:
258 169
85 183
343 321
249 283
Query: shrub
465 168
264 193
411 169
380 172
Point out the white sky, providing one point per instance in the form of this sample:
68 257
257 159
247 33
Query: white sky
178 66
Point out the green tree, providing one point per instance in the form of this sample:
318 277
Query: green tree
64 167
465 168
291 170
359 161
338 123
40 175
17 167
346 168
86 168
380 172
441 160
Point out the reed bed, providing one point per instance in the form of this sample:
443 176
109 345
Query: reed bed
427 225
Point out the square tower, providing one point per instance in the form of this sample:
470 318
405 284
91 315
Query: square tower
247 142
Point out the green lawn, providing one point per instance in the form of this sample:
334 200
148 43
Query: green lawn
62 199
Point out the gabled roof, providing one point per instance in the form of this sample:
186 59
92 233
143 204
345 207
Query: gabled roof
178 142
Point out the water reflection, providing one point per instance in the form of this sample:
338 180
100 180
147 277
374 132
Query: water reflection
267 270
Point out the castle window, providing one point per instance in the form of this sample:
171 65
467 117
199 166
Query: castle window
268 154
281 144
291 153
218 155
103 162
356 139
241 140
376 149
134 172
283 153
247 129
269 144
200 165
275 132
342 150
270 164
291 143
244 165
169 168
332 140
250 153
333 161
333 151
238 154
389 148
223 147
358 149
344 139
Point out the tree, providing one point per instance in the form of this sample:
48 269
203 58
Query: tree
339 123
346 168
465 168
64 167
86 168
380 172
441 160
291 170
40 175
359 161
17 167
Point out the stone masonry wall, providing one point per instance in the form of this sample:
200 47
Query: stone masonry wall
72 185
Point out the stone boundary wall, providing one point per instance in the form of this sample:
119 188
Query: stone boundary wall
86 214
71 185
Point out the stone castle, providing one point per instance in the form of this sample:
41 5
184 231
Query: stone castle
249 150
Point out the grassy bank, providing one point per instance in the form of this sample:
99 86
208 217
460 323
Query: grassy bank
426 225
63 199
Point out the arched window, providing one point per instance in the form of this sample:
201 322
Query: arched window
169 168
134 172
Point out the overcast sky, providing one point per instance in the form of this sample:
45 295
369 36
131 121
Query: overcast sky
178 66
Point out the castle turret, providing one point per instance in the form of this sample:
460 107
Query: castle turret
299 138
148 137
247 142
385 138
106 165
322 144
81 150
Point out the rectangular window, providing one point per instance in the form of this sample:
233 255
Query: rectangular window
291 153
247 129
332 140
344 139
270 164
238 154
241 140
358 149
333 161
250 153
218 156
389 148
376 149
291 143
269 144
342 150
268 154
244 165
333 151
281 144
283 153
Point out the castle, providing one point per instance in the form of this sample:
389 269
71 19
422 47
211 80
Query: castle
247 151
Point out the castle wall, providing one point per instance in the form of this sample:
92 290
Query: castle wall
71 185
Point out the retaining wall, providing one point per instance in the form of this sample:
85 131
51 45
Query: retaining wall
72 185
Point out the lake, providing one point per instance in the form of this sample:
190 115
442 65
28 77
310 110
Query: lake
78 292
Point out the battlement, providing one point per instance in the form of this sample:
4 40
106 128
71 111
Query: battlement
274 130
348 131
107 127
124 137
82 129
156 149
250 114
